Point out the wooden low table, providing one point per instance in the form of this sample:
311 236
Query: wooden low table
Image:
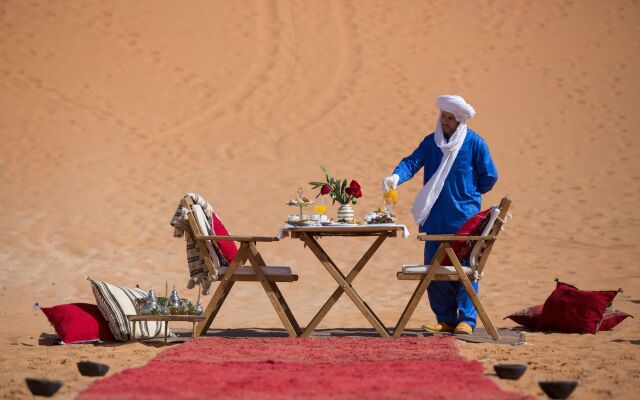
166 318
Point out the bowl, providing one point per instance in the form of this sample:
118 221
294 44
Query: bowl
43 387
510 371
558 389
90 368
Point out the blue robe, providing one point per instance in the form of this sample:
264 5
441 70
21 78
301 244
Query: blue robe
472 174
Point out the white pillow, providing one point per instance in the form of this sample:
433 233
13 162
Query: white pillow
115 303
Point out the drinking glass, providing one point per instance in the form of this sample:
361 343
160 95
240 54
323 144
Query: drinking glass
391 198
320 205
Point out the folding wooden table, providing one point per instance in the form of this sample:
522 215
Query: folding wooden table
309 234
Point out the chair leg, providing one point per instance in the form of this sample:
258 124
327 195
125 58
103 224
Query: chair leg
222 291
484 317
411 306
283 310
418 293
274 294
214 306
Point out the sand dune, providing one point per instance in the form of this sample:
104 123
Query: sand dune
112 111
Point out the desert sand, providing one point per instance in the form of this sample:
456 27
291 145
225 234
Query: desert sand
111 111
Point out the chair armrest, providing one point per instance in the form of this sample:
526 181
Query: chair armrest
451 238
240 238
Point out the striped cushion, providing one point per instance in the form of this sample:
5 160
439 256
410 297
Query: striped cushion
115 303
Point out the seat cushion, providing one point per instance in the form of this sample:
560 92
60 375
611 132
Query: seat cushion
78 322
115 303
267 270
443 269
571 310
472 227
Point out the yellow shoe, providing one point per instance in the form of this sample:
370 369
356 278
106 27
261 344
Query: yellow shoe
439 327
463 329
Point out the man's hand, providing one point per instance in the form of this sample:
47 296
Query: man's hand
390 182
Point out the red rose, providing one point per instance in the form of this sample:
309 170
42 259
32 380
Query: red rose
325 189
355 186
357 194
349 190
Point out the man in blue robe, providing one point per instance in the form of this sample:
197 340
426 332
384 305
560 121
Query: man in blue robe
458 169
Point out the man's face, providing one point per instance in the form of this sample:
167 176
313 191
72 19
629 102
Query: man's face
448 122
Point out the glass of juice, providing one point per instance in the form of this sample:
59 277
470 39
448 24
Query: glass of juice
391 198
320 205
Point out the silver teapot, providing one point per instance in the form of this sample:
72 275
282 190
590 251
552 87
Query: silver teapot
151 303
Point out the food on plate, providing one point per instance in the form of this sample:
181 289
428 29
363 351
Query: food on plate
380 216
300 202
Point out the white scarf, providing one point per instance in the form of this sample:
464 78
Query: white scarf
431 190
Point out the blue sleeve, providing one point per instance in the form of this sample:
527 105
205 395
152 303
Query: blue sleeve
412 163
486 172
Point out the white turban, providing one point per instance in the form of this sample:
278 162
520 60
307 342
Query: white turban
457 106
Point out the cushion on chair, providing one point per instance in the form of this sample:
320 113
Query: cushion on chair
571 310
228 248
267 270
115 303
528 317
472 227
443 269
78 322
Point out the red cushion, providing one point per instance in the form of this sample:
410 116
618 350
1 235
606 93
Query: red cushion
571 310
228 248
527 317
472 227
612 318
78 322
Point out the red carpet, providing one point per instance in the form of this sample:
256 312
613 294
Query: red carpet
289 368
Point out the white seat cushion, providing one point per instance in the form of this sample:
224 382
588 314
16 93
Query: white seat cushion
443 269
267 270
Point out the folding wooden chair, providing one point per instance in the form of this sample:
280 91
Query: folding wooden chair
258 271
456 272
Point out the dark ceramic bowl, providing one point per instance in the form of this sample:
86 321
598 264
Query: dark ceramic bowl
510 371
43 387
558 389
90 368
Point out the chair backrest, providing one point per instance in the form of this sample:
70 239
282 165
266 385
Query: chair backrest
198 225
482 249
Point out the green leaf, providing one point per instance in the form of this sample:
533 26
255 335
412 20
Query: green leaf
326 173
353 201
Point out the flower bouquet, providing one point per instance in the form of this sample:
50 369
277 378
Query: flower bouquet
340 192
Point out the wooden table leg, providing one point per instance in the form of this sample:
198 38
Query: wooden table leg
166 328
333 299
193 334
345 286
133 329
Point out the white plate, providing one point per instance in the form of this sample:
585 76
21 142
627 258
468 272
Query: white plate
349 225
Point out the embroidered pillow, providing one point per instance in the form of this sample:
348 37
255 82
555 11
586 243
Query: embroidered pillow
472 227
78 322
571 310
115 303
